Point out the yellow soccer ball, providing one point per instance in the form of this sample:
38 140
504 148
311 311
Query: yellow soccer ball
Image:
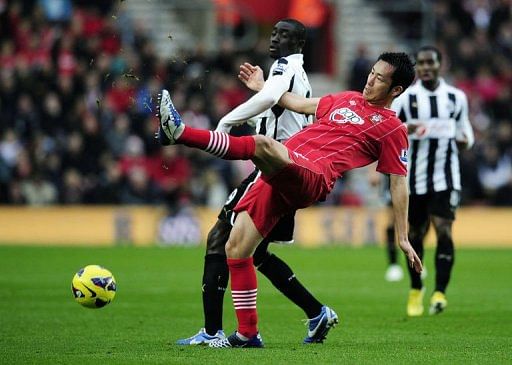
94 286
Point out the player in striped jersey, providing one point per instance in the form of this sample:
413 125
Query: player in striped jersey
436 114
353 130
286 74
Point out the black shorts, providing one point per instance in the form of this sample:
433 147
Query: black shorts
282 231
441 204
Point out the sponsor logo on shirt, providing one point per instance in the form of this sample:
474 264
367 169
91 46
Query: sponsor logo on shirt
403 156
281 67
345 115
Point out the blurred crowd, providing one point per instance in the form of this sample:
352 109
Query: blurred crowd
476 37
78 83
77 96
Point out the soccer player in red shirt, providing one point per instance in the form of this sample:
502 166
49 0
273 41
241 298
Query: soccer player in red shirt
352 130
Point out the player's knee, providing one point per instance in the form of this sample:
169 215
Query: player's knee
444 231
232 248
217 238
265 146
445 240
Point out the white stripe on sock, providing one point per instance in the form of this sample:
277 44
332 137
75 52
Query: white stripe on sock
244 299
210 142
245 306
225 144
235 297
218 144
212 145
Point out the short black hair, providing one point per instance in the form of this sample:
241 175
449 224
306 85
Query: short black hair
404 73
300 29
430 49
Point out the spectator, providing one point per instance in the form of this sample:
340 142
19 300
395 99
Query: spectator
38 191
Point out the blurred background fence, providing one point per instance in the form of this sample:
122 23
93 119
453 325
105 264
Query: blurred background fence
143 226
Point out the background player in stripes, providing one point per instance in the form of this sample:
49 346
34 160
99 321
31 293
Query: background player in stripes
353 130
286 74
436 114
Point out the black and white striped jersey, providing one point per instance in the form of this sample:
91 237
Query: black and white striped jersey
442 117
286 74
277 122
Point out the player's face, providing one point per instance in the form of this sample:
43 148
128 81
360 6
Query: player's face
427 66
283 41
377 90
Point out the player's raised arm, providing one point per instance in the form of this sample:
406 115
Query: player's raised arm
252 77
299 104
264 99
400 200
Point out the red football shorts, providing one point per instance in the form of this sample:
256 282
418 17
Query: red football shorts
296 186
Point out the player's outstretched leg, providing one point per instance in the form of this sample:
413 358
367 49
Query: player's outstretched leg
319 326
160 134
170 120
219 144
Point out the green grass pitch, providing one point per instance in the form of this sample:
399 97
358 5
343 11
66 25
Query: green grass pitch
159 301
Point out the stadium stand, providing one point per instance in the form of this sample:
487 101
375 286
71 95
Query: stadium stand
77 84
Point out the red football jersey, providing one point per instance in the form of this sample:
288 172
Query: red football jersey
351 133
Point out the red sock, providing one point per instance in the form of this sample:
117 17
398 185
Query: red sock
219 144
244 289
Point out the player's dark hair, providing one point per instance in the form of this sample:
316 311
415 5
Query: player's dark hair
300 29
430 49
404 73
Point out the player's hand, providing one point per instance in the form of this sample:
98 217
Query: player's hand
412 257
251 76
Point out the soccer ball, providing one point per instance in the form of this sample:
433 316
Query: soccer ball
94 286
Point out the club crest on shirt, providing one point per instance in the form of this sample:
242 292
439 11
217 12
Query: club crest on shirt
376 118
403 156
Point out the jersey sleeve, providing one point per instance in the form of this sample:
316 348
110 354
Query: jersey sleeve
324 106
275 86
326 103
463 129
393 152
281 74
398 107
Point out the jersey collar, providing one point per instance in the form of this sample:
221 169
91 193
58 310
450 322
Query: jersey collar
299 57
441 84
